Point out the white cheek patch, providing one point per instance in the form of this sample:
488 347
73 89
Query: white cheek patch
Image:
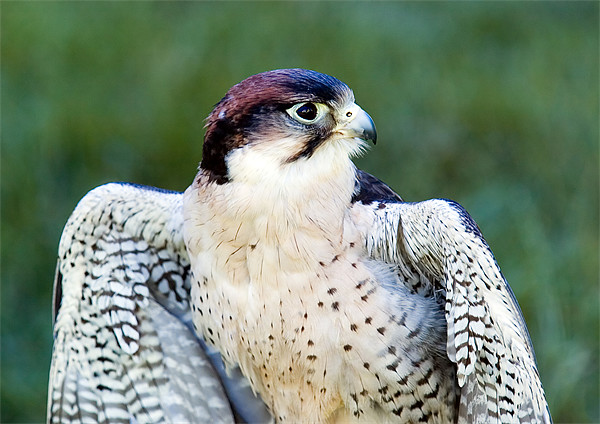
261 161
269 158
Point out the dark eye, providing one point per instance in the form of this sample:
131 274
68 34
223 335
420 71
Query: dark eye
307 111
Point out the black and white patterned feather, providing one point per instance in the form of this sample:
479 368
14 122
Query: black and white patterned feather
438 246
124 350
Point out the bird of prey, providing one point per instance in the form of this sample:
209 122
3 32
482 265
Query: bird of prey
284 285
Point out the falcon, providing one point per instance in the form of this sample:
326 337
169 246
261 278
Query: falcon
285 284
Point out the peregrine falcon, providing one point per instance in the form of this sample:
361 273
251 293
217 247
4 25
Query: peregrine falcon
285 284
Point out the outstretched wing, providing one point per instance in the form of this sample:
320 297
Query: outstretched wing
124 349
438 247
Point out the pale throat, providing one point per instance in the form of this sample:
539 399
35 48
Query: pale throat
296 208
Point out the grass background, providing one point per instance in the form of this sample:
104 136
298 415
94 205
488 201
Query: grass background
494 105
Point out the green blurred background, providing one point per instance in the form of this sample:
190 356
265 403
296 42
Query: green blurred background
494 105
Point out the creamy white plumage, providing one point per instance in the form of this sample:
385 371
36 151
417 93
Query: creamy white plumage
337 301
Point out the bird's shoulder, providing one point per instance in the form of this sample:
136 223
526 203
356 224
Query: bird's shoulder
123 346
123 234
437 247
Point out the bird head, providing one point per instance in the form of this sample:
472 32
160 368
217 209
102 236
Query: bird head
280 119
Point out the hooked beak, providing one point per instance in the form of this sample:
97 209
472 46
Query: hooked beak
358 124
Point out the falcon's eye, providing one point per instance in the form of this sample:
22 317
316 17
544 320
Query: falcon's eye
307 112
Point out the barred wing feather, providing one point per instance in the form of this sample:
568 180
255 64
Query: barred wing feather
124 349
437 245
